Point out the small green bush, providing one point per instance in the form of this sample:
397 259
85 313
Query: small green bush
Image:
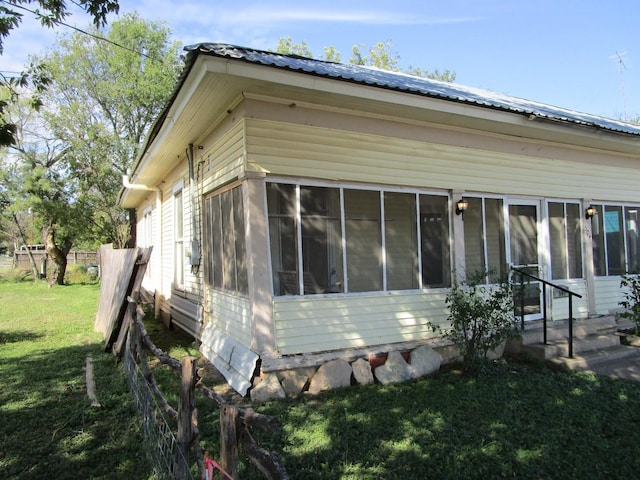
481 318
15 275
77 275
630 284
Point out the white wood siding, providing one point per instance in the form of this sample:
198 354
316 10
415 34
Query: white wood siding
224 160
608 294
311 324
315 152
231 314
150 280
560 306
192 278
168 234
167 238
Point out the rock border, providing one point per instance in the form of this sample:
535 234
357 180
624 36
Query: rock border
394 367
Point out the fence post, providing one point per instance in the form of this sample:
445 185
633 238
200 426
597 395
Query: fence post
229 439
185 411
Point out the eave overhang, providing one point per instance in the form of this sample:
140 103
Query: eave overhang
217 76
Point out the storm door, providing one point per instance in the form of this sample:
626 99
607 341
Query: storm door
524 242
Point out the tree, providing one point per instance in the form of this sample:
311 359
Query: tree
380 55
38 180
103 99
50 14
67 159
287 47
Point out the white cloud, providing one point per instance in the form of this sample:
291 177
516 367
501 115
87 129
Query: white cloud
263 15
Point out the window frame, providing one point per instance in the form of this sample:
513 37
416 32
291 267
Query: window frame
147 231
597 221
566 238
221 271
380 191
179 263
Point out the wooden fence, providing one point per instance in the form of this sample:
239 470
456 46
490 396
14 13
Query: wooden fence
120 320
236 423
75 257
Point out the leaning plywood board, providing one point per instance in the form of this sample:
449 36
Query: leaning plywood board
116 269
121 272
133 293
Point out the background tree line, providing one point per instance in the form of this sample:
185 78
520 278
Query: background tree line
62 170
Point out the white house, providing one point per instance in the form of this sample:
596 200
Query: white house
300 209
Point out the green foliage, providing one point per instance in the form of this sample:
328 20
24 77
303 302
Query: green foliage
379 55
287 47
630 284
482 319
516 421
96 112
66 162
50 14
77 275
15 275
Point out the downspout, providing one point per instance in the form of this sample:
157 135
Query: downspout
138 186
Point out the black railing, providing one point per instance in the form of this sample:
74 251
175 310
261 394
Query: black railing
544 304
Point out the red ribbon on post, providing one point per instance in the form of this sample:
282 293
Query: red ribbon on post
210 464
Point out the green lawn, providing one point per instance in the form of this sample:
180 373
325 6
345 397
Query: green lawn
514 421
47 427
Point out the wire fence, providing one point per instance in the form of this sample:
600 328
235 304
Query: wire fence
161 446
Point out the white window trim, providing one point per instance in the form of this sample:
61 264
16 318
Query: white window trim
178 188
341 186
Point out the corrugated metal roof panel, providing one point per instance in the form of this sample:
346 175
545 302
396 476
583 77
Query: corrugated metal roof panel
411 84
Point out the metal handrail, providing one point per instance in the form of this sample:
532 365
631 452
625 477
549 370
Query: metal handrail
544 305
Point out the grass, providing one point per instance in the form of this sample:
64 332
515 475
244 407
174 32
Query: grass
514 421
47 427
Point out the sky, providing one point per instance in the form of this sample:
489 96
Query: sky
582 55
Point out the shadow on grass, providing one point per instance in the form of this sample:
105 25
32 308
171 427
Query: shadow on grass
514 422
14 336
48 428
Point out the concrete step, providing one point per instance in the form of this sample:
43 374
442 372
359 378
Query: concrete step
560 347
594 340
596 345
559 330
599 358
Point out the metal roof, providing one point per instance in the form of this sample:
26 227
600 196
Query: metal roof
411 84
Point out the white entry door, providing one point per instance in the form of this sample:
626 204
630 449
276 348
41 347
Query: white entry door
524 251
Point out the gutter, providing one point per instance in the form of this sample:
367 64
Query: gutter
126 183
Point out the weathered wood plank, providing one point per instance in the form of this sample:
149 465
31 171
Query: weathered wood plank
116 267
122 274
229 439
185 414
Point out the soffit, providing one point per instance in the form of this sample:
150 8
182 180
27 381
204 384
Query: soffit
213 84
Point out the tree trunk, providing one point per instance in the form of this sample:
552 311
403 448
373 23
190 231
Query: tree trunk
132 228
58 254
23 237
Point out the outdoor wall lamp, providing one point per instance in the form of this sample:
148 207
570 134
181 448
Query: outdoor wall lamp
461 206
589 212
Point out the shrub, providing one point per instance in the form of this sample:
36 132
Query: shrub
15 275
481 318
78 275
630 284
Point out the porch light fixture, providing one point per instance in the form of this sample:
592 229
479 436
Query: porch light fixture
461 206
589 212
